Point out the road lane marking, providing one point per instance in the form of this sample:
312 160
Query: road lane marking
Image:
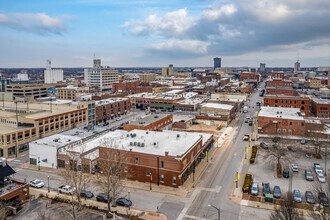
216 190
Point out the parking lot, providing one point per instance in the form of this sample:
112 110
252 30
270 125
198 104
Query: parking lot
263 170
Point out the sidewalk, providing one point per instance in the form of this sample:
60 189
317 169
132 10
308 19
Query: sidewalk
102 206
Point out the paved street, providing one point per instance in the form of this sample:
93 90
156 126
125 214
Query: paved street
214 187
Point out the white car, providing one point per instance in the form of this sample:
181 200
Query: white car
119 118
37 183
321 177
66 189
294 168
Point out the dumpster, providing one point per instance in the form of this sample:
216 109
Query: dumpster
269 198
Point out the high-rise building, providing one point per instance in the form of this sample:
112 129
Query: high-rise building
167 71
52 75
217 62
297 66
262 67
101 76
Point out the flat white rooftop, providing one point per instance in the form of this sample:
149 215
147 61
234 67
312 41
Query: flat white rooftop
279 112
218 106
149 142
322 101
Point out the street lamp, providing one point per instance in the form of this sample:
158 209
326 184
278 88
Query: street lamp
218 209
48 183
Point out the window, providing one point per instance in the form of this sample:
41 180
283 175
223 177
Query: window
162 164
284 131
148 173
162 178
290 132
174 180
302 124
290 122
125 170
136 160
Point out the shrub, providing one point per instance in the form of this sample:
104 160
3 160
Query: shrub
247 183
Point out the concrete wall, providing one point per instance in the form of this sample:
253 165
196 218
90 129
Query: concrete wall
43 152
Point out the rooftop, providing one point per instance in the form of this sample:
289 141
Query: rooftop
218 106
109 101
322 101
280 112
145 121
149 142
193 101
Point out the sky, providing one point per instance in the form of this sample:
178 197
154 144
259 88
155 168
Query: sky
155 33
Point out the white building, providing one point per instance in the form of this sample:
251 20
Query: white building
23 76
52 75
101 76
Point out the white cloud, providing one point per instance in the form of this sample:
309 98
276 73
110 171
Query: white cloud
215 12
40 23
191 46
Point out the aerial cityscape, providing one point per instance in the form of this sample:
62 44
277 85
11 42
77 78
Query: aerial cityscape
169 110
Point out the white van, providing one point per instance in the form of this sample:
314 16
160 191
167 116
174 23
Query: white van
245 109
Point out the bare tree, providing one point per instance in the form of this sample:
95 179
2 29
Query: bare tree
3 211
277 152
41 215
113 172
287 209
320 211
75 177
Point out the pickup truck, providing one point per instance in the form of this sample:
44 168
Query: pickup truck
66 189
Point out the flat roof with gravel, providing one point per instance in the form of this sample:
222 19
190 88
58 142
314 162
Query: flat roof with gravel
218 106
280 112
145 121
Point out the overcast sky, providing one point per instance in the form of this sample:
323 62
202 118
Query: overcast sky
138 33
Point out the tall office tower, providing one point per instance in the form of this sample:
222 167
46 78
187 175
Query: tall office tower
297 66
262 67
101 76
217 62
52 75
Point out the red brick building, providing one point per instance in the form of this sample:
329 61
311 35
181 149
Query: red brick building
164 158
321 108
283 121
281 91
129 86
274 75
154 122
244 76
288 102
107 109
279 83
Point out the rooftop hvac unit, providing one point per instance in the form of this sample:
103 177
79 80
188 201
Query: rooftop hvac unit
3 161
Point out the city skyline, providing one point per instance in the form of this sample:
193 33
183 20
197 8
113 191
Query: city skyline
156 33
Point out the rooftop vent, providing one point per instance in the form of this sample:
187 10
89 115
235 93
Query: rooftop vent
178 135
156 116
155 143
142 144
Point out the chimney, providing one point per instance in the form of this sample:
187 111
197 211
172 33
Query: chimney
166 154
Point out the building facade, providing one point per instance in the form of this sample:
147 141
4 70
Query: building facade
154 122
108 109
147 77
52 75
288 102
321 108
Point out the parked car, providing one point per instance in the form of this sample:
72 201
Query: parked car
309 197
286 173
105 123
246 137
37 183
294 168
308 154
86 194
292 149
277 192
124 202
254 189
66 189
250 123
309 175
321 177
266 189
297 195
303 141
102 197
264 146
119 118
318 168
323 199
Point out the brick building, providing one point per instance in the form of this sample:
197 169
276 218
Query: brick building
283 121
279 83
274 75
288 102
147 77
150 156
154 122
281 91
321 108
128 86
217 110
247 76
107 109
11 191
